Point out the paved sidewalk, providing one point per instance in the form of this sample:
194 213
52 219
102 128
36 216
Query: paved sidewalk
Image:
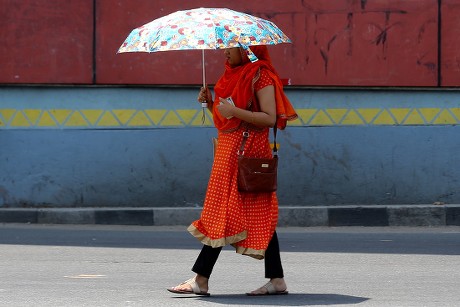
376 215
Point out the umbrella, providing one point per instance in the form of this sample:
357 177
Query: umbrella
204 28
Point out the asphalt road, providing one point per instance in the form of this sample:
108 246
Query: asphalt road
44 265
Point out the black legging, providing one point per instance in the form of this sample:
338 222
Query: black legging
208 257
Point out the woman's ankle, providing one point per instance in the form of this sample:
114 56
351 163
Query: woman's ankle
278 283
201 280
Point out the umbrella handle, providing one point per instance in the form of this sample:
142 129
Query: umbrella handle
203 104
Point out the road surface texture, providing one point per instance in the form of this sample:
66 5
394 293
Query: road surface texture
64 265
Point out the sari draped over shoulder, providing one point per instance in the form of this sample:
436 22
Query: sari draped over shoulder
238 83
247 221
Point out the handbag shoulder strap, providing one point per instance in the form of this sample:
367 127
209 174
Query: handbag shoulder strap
246 136
275 147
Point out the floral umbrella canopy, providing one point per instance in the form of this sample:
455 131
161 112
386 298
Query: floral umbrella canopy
204 28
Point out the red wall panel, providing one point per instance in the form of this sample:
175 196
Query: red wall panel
46 41
450 43
372 43
336 43
114 23
341 42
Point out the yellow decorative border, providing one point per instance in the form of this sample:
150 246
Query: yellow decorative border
163 118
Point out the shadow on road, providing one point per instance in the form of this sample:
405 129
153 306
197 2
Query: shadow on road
293 299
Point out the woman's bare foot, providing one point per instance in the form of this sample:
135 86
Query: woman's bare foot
274 286
186 287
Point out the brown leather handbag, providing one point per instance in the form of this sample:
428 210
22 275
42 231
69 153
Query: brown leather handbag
257 175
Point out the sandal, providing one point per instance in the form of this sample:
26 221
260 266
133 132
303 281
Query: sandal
270 290
193 284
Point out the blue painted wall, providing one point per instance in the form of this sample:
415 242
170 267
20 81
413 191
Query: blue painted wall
348 147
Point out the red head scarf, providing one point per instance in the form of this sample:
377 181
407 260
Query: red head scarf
238 83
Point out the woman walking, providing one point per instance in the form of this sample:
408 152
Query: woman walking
248 97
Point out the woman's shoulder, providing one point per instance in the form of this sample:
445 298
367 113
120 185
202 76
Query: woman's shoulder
264 79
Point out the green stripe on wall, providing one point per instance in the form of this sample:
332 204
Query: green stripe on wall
165 118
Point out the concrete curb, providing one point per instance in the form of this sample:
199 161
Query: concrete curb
392 215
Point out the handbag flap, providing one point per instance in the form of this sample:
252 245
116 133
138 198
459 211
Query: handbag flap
259 165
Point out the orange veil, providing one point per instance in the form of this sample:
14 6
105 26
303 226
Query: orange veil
238 83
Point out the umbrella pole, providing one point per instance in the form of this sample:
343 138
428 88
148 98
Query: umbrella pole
203 104
204 69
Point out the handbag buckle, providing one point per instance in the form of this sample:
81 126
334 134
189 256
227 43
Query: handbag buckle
245 137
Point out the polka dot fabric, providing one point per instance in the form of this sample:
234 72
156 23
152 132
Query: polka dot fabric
263 81
245 220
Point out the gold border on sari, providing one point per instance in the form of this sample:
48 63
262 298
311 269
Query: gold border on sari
258 254
232 240
217 242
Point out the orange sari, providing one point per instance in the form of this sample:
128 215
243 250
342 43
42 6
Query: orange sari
247 221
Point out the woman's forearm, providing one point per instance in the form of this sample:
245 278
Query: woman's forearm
261 119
